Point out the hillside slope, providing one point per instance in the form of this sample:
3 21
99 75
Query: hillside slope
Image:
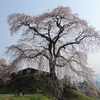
29 84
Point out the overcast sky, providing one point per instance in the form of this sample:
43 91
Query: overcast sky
86 9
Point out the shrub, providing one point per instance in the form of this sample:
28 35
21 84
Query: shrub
16 95
74 88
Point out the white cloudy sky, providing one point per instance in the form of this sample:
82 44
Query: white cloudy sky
87 9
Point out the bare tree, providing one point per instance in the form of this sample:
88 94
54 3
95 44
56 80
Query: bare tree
55 39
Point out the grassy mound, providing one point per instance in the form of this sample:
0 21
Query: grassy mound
29 85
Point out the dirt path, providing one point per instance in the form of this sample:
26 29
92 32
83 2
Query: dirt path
10 95
6 95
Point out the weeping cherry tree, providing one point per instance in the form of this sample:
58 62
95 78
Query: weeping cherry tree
54 39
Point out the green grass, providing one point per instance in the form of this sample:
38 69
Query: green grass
31 97
82 96
36 96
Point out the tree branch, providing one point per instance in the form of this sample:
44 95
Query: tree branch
70 43
33 28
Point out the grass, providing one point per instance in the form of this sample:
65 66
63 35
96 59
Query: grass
31 97
36 96
82 96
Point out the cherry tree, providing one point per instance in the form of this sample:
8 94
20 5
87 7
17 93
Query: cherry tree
3 63
6 70
55 39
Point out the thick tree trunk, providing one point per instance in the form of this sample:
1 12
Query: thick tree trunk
52 69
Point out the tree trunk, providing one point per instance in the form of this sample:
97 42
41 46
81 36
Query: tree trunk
52 69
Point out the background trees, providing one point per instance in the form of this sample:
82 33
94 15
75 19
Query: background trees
56 39
3 63
6 70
